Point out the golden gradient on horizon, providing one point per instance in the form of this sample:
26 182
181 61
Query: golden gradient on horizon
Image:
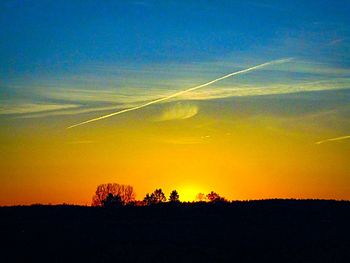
240 158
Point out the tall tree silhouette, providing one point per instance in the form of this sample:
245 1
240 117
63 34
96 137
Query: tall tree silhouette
159 196
174 197
156 197
125 192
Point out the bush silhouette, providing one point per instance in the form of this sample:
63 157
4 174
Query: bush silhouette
112 201
214 197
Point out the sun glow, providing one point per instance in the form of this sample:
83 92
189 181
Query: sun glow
188 193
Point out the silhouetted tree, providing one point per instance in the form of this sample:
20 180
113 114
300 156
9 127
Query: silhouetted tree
125 192
159 196
149 199
112 201
174 197
155 198
214 197
201 197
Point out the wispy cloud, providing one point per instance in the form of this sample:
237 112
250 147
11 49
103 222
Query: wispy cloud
75 101
269 89
336 41
179 93
65 112
179 111
20 108
75 95
303 66
119 96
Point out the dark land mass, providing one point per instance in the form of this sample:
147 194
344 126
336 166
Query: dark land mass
254 231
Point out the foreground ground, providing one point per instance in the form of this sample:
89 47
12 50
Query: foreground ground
256 231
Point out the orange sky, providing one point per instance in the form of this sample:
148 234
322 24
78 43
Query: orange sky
251 157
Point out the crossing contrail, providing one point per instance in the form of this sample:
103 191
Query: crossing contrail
176 94
334 139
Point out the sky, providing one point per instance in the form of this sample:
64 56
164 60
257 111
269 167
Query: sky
279 131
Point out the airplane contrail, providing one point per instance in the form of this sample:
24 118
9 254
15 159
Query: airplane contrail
183 91
334 139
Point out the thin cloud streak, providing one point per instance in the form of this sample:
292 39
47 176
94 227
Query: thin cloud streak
244 91
334 139
178 112
183 91
34 108
96 104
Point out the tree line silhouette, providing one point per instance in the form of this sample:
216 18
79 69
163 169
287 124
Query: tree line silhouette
116 195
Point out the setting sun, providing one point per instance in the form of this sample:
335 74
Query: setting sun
188 193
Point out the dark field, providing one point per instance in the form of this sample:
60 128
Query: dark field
255 231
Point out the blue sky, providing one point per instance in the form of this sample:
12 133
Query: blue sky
44 36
